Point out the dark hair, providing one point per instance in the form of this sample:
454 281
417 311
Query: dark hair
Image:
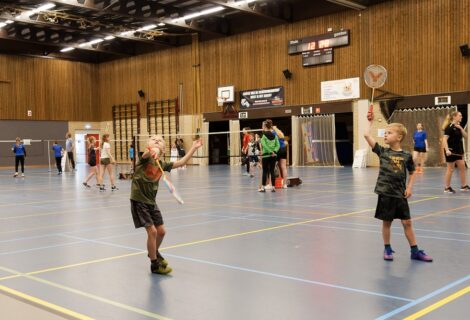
268 123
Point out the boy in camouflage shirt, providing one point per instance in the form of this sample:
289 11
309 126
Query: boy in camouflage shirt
145 211
392 188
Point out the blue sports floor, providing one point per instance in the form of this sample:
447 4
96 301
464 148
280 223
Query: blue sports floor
309 252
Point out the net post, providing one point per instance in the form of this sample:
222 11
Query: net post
49 155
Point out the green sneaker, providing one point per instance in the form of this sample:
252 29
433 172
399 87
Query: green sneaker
162 260
156 267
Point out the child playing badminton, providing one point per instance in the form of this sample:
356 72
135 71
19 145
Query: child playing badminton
391 187
145 211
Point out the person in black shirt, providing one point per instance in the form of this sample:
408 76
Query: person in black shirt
392 188
453 148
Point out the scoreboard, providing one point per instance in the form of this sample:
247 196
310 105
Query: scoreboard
322 41
316 57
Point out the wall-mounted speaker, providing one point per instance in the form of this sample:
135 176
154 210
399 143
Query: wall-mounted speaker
465 50
141 93
287 73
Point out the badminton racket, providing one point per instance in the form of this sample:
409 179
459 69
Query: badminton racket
169 185
375 77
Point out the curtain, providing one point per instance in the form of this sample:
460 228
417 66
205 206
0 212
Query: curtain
234 143
431 119
317 135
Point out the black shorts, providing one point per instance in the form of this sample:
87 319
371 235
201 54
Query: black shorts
390 208
92 163
145 215
254 159
282 154
418 149
453 158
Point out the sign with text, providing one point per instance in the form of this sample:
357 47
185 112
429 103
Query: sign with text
267 97
344 89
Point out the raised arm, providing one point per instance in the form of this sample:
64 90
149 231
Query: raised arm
196 145
367 135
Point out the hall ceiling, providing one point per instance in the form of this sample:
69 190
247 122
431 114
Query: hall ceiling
102 30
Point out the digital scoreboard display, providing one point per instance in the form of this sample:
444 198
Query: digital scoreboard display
316 57
322 41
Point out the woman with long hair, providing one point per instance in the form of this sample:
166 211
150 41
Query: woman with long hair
420 139
94 171
454 152
269 149
106 163
282 155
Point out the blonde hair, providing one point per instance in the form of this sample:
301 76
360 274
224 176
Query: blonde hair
400 129
91 141
448 119
160 137
104 139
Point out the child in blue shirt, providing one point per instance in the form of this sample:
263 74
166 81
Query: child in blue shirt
20 154
58 151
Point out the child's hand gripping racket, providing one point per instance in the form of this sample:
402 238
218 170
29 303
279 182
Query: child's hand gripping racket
168 182
374 76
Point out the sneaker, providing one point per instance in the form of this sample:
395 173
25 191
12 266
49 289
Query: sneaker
449 190
261 189
268 187
465 188
284 186
162 260
420 255
15 175
114 188
86 185
388 255
252 175
102 188
22 175
273 190
157 267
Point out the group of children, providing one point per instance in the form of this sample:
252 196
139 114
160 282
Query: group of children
266 151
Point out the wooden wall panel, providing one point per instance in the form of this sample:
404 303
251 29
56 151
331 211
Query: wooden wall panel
157 74
416 40
52 89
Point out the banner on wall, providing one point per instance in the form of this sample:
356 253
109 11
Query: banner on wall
267 97
344 89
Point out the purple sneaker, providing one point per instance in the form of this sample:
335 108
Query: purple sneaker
388 255
420 255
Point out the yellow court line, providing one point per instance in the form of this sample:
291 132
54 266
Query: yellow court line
438 304
86 295
439 212
45 304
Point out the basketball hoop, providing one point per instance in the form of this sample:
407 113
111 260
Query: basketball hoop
221 101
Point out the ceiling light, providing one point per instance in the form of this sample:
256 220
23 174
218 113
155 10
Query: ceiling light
92 42
9 21
198 14
161 24
146 28
67 49
2 24
349 4
242 2
44 7
109 38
